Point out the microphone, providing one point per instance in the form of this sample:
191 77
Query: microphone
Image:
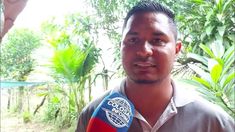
114 114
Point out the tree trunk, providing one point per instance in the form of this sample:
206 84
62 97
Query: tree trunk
20 100
15 97
28 98
9 99
105 79
89 88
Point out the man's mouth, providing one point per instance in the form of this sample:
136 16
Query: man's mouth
144 64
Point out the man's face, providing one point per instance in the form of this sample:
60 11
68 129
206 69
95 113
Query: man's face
148 47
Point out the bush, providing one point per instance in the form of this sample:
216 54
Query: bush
27 117
216 76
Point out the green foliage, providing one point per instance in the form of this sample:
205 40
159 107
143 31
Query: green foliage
199 21
206 22
52 108
74 59
216 78
68 62
111 15
210 23
110 18
16 60
27 117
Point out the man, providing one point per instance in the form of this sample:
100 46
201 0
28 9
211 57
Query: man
149 47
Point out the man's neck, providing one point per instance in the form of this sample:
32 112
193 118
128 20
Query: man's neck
149 99
158 90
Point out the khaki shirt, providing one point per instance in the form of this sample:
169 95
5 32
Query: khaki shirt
192 114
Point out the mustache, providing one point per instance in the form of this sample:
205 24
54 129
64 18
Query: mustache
144 61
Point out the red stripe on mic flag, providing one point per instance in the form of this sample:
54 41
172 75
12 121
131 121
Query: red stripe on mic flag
98 125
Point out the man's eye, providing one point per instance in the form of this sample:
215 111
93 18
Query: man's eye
133 40
157 42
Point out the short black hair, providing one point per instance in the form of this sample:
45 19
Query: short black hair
151 6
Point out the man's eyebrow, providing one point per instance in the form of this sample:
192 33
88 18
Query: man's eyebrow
132 33
159 33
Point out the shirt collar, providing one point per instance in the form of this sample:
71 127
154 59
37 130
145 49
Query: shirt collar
181 96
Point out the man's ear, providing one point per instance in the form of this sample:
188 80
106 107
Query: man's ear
178 46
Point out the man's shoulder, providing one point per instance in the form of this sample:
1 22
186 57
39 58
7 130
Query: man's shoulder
202 109
208 108
190 101
87 112
205 116
96 102
90 107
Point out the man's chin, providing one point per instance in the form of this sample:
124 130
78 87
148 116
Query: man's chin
142 81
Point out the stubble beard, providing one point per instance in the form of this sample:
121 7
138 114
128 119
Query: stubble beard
148 81
142 81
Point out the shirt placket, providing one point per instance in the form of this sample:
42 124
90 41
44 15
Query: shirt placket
168 113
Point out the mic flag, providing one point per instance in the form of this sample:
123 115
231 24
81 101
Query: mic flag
114 114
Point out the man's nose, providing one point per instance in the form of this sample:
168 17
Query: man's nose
145 50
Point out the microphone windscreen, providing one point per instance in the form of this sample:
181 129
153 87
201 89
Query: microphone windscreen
114 114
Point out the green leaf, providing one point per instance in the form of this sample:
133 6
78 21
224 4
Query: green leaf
68 62
220 5
197 1
227 5
55 100
211 64
228 66
229 78
203 36
197 57
72 100
220 61
42 94
229 91
217 49
207 50
228 53
60 91
221 30
220 17
216 72
200 72
228 60
203 82
190 82
209 30
208 94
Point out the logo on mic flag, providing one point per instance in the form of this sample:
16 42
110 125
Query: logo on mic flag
114 114
119 113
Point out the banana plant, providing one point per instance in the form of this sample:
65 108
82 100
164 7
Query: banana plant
215 75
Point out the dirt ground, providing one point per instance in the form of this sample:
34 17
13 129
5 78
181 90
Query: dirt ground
14 122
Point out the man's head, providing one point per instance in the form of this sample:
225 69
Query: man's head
149 43
150 6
